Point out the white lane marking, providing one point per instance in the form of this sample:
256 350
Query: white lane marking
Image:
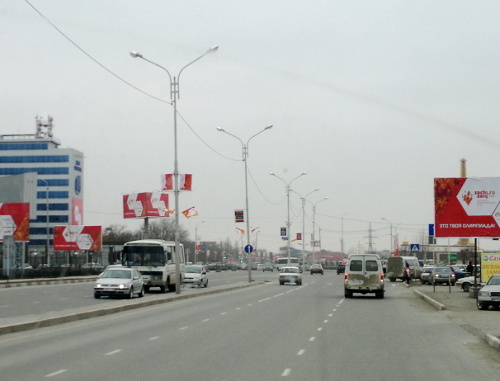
312 338
154 338
238 308
182 328
263 300
275 296
301 352
325 321
223 313
286 372
56 373
330 315
320 329
4 306
341 301
113 352
205 320
249 304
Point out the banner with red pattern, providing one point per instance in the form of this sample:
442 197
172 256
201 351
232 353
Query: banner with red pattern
15 221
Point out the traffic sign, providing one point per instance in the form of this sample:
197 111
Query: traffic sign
415 248
248 249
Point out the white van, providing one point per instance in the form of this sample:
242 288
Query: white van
364 274
396 268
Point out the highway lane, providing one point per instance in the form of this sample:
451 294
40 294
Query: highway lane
42 299
263 332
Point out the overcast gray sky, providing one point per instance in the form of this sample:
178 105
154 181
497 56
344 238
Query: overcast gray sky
373 99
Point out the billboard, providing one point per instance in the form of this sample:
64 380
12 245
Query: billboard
467 207
145 204
490 265
14 221
77 237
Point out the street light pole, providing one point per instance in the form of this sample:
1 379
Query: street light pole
245 156
304 226
314 226
174 94
47 260
342 233
196 240
288 208
390 223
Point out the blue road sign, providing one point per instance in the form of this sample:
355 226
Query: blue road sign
415 248
248 249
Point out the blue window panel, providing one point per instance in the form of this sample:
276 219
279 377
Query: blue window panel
53 183
35 159
54 206
54 219
40 242
40 171
39 231
54 194
23 146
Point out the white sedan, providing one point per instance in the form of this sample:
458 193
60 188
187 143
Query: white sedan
289 275
195 275
119 281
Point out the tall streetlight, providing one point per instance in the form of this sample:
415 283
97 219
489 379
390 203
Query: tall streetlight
174 94
288 208
47 260
314 225
304 225
390 223
196 238
245 156
342 232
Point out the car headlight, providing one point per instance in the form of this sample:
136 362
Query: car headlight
483 293
121 286
98 285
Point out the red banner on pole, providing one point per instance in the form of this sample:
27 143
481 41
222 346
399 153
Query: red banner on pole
15 221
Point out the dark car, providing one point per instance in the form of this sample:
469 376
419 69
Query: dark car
442 275
316 269
341 268
459 272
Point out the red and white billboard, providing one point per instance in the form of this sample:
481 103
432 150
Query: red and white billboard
15 221
146 204
77 237
467 207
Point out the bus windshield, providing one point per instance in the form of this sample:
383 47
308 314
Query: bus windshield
145 256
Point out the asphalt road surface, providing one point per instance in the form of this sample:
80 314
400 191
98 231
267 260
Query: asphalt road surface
264 332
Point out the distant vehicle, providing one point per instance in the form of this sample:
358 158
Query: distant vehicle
442 275
341 268
459 272
232 266
426 272
290 275
489 295
195 275
364 274
155 259
267 267
281 262
316 269
396 268
124 282
93 265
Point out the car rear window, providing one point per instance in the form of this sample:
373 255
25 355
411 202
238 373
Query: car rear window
356 265
371 265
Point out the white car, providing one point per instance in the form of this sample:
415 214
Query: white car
119 281
466 282
195 275
489 295
289 275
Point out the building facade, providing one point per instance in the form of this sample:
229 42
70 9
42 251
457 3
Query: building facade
54 175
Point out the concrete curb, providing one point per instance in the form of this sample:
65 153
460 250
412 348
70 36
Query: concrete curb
6 329
45 281
431 301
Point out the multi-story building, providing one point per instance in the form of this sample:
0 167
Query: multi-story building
35 163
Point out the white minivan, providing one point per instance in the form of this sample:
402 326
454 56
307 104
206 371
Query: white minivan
364 274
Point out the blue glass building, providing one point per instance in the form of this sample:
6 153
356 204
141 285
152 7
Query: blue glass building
57 174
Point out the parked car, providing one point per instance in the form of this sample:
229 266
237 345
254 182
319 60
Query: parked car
426 272
267 267
442 275
195 275
93 265
489 294
290 275
116 281
396 268
459 272
316 269
466 282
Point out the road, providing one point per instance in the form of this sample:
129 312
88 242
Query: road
265 332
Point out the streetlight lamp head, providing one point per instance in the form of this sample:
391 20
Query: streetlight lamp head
272 173
135 54
268 127
220 129
213 48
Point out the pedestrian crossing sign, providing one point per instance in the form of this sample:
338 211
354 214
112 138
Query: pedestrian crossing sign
415 248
